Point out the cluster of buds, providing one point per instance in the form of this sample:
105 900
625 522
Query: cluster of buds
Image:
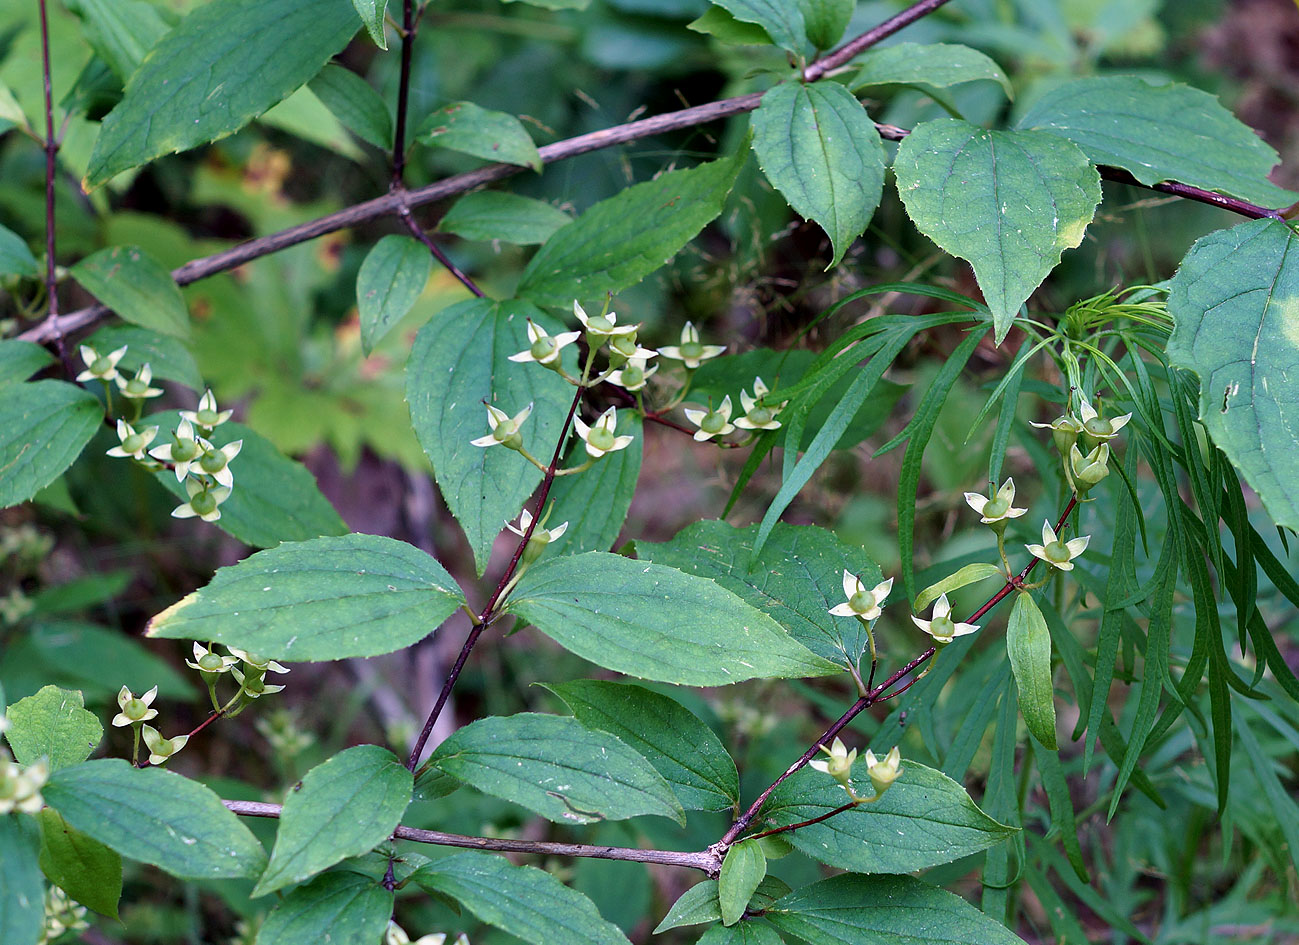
20 786
396 935
881 771
247 669
1088 464
62 915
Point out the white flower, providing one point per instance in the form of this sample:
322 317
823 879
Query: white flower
207 416
253 684
133 443
505 429
134 709
1058 554
883 771
160 749
137 388
184 449
602 327
1096 427
1064 430
632 375
20 788
207 660
1088 470
758 415
204 501
622 348
997 509
691 352
544 348
541 537
256 661
102 367
599 437
396 935
862 603
712 423
215 462
839 766
942 627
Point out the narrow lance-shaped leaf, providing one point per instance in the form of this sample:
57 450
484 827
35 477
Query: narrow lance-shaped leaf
820 149
646 620
223 65
1028 642
324 599
983 195
43 427
341 808
742 870
1235 308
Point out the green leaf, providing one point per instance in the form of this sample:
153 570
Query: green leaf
392 277
970 574
1028 642
510 218
275 498
923 820
524 901
1161 132
136 287
121 32
795 579
699 903
724 26
354 101
826 20
80 865
782 20
372 13
341 808
460 362
481 132
52 724
1235 308
883 910
595 503
43 427
743 869
22 894
323 599
19 360
223 65
155 816
166 356
940 65
979 195
555 4
646 620
750 932
819 148
16 258
619 241
339 908
558 768
685 751
1063 822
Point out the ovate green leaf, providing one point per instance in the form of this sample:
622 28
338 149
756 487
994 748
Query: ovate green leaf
481 132
80 865
524 901
341 808
1028 642
338 908
15 257
743 869
225 64
940 65
323 599
699 904
595 503
136 287
372 14
391 278
354 102
782 19
22 893
52 724
749 932
981 195
647 620
619 241
43 427
1235 308
155 816
826 20
883 910
460 362
819 148
556 767
795 579
685 751
923 820
1161 132
723 25
19 360
510 218
121 32
167 356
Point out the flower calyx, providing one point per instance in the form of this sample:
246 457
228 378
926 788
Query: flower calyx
999 509
1059 554
207 416
541 536
101 367
135 709
161 749
863 603
138 387
599 437
758 414
543 348
133 443
839 763
712 422
691 352
941 626
1086 471
504 428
